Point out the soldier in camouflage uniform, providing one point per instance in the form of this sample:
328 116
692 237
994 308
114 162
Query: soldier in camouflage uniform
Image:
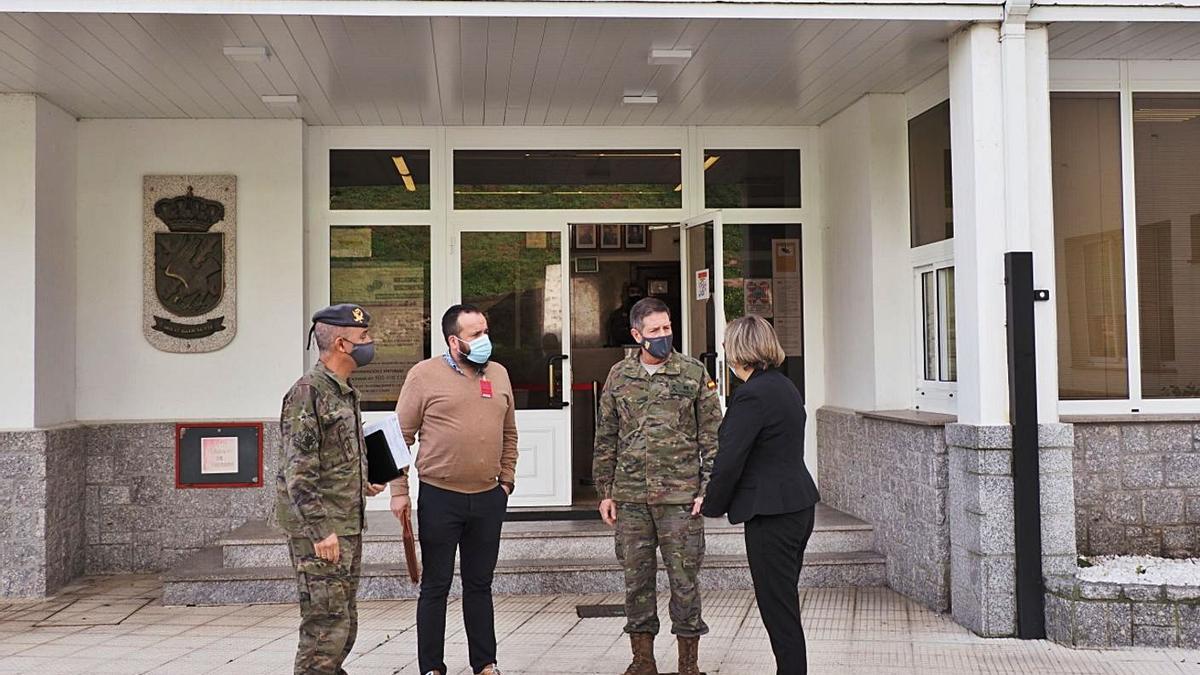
320 488
656 439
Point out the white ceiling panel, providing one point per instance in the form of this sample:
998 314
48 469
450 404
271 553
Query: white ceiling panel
1125 40
483 71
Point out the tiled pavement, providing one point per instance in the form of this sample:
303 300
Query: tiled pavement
116 625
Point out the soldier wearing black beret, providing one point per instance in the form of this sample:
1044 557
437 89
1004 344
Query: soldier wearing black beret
322 485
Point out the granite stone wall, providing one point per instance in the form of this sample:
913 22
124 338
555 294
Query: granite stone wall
982 535
41 510
66 509
1137 487
137 520
1094 614
891 470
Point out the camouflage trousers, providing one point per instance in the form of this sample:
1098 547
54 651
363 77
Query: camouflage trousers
328 612
642 528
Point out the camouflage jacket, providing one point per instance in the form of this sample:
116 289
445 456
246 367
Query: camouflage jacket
323 467
656 437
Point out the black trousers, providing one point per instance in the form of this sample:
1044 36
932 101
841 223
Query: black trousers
470 524
775 549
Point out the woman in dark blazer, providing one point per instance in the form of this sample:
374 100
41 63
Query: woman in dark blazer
759 479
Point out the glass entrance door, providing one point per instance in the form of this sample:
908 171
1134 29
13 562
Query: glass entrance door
704 297
518 278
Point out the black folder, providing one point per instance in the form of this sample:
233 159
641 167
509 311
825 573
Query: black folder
381 467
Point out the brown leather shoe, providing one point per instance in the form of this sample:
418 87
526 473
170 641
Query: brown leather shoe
689 653
643 655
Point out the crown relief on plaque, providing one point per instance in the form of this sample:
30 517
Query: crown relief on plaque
189 299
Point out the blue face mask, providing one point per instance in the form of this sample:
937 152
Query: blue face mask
659 347
479 350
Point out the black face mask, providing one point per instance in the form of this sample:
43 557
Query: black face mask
659 347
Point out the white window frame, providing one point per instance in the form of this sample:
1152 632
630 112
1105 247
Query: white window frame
1127 78
932 395
929 395
809 216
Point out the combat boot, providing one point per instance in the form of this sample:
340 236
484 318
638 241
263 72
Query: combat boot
689 653
643 655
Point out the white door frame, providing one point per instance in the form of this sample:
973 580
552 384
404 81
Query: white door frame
539 431
716 282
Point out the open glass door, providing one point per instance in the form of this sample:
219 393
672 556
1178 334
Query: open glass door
518 278
704 295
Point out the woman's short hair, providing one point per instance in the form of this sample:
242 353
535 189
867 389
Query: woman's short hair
751 342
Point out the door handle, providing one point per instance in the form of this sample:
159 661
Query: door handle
553 383
710 362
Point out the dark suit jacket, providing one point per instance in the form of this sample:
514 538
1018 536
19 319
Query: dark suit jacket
760 464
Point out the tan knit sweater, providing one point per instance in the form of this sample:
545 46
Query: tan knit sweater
468 442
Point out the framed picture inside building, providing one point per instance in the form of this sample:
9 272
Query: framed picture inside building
585 235
635 235
219 455
610 235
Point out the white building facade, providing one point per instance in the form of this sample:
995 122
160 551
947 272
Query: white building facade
860 173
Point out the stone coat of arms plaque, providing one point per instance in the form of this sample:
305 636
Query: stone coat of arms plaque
189 226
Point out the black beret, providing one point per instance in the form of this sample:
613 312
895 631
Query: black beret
345 314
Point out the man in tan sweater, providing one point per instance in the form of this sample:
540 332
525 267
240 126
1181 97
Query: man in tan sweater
460 407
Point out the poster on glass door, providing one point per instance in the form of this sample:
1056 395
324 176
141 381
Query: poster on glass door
786 295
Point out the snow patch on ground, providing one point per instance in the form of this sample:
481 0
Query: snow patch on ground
1123 569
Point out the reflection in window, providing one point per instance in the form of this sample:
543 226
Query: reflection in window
929 314
939 345
515 278
379 179
1166 148
567 179
1085 136
931 204
947 338
386 270
756 179
763 275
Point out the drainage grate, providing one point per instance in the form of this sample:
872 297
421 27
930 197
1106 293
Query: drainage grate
599 611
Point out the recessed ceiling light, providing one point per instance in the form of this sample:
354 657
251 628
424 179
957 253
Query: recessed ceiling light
280 99
247 54
669 57
643 99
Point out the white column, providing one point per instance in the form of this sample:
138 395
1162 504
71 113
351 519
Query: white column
980 238
37 262
867 265
891 263
18 230
54 275
1041 215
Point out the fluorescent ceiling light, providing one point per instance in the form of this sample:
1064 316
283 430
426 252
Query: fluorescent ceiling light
669 57
280 99
708 162
644 99
247 54
405 174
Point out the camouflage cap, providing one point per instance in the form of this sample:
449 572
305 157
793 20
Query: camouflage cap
345 314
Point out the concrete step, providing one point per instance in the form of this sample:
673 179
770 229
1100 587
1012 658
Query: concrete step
256 544
203 580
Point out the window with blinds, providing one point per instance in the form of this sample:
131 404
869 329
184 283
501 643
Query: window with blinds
1166 149
1085 132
